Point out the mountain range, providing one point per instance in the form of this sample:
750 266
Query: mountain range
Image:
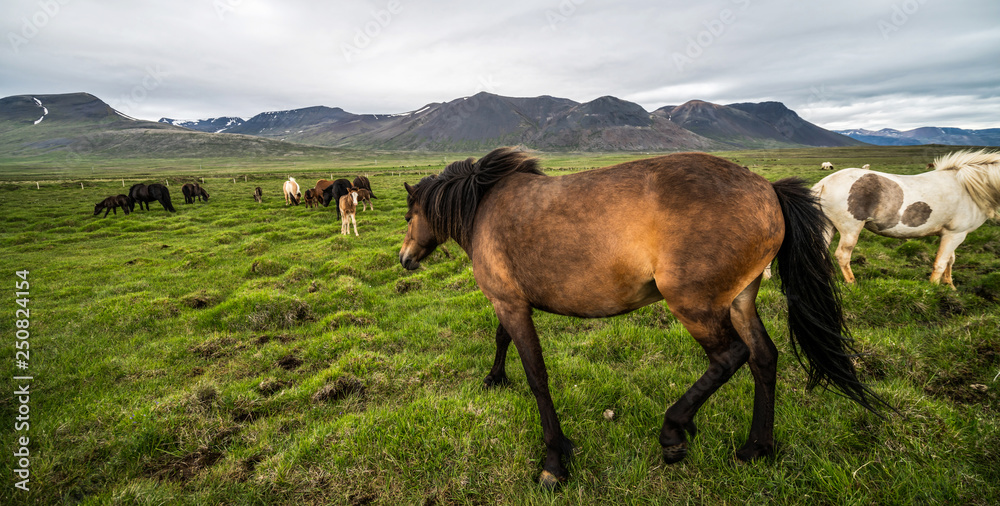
926 135
82 123
486 120
79 124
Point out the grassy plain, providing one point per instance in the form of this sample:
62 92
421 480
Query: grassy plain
244 353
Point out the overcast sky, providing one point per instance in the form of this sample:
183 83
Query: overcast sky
838 63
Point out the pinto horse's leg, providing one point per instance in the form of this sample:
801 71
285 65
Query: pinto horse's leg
848 239
517 322
946 258
498 374
763 363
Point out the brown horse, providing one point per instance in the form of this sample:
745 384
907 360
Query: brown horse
697 233
363 182
348 207
365 197
258 195
311 199
321 185
192 191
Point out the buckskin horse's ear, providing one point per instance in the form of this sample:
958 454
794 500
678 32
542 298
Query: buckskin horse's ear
409 189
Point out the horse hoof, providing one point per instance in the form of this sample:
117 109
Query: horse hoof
549 481
750 453
491 382
675 453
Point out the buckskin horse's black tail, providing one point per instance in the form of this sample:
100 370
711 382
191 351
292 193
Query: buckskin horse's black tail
808 280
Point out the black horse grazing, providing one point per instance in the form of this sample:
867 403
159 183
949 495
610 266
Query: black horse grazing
111 204
124 202
191 191
332 193
144 194
363 182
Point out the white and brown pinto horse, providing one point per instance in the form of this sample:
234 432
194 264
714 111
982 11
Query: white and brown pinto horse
697 234
291 191
955 198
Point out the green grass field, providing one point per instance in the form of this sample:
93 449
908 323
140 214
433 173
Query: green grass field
244 353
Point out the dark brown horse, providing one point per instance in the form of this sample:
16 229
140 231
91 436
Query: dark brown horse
144 194
111 204
365 197
192 191
311 199
362 182
697 232
258 195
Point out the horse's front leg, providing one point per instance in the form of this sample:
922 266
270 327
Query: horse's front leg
498 374
518 324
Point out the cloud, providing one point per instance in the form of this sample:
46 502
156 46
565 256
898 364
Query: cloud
855 63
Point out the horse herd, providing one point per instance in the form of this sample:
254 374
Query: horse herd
345 193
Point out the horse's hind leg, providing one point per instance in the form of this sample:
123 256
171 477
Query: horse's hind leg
498 374
763 364
946 258
848 240
712 327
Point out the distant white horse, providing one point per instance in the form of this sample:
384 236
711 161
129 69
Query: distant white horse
291 191
826 166
955 198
